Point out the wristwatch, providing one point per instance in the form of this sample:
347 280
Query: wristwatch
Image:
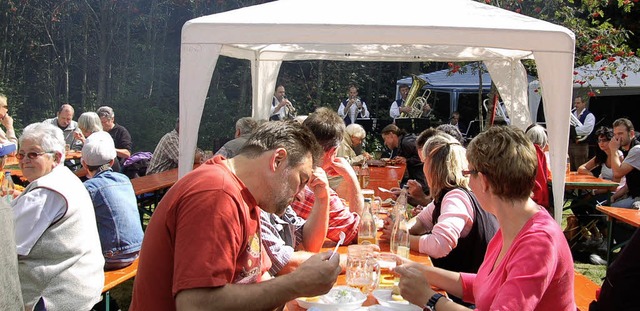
431 304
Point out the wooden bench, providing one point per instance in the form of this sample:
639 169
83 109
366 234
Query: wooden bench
584 291
114 278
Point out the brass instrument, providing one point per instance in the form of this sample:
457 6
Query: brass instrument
416 103
291 111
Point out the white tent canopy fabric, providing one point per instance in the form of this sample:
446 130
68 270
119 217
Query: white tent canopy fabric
381 30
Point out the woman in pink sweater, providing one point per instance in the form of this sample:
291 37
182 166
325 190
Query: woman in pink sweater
528 264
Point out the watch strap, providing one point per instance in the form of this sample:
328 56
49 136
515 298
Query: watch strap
431 304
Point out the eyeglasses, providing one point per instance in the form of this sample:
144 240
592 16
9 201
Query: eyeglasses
466 173
31 155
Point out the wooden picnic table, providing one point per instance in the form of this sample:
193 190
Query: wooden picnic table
625 215
386 177
342 278
154 182
575 181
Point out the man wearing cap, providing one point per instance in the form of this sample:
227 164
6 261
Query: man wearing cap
120 135
114 202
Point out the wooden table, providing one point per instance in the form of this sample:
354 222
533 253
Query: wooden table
342 278
624 215
155 182
575 181
386 177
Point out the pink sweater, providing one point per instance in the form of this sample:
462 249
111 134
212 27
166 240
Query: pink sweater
536 273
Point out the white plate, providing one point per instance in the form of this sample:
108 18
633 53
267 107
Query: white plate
325 301
384 298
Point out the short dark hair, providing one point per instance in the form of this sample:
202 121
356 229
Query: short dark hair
451 130
290 135
624 122
424 136
392 128
327 126
403 86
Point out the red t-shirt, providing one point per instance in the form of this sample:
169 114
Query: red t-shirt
204 233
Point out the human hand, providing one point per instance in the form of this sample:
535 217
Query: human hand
414 285
317 275
341 166
395 191
387 228
319 183
7 121
79 136
405 109
414 188
400 160
366 155
614 144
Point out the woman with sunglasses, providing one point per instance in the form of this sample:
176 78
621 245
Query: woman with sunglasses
585 208
528 264
59 255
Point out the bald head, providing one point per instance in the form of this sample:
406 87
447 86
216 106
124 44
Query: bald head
65 115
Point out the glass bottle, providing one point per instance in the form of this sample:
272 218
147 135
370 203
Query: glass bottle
7 187
363 175
367 229
400 233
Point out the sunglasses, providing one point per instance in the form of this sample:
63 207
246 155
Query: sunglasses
466 173
31 155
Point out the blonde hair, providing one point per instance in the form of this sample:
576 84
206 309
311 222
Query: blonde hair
356 130
447 159
3 100
507 158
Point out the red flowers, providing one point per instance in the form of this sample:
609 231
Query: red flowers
591 94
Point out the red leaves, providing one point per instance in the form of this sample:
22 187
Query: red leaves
623 76
597 57
575 73
611 59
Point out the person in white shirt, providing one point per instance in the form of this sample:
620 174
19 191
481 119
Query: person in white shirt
281 107
353 107
579 147
399 105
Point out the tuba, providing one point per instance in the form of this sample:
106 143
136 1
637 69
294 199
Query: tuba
416 102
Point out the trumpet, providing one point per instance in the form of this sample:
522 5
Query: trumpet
291 111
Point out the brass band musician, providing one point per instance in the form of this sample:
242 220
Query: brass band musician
281 107
353 107
398 106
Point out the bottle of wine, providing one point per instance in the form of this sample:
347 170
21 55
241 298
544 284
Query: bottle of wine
367 229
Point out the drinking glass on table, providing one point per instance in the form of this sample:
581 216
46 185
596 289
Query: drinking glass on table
387 263
363 269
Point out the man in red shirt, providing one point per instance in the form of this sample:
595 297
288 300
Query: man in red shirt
202 248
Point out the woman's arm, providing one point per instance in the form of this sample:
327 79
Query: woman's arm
585 169
456 215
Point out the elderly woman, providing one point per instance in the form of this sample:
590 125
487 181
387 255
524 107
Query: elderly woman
59 256
88 123
453 229
540 194
355 134
528 264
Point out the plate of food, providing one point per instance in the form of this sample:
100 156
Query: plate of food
387 298
341 298
388 202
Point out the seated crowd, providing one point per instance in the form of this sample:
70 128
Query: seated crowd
245 229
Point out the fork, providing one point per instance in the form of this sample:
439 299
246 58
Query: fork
335 250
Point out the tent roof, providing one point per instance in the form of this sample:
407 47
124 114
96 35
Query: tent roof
376 30
466 78
380 30
610 84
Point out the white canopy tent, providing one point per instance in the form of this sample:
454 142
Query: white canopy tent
381 30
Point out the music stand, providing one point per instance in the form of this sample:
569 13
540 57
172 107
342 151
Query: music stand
405 124
380 124
367 124
420 125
